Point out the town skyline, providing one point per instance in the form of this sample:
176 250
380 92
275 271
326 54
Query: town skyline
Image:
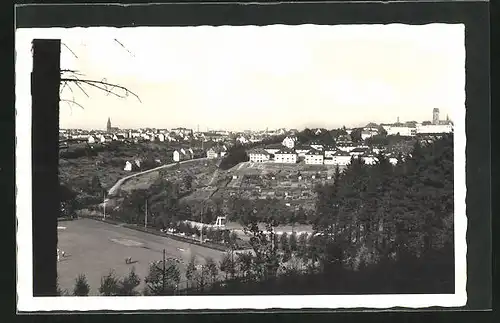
207 129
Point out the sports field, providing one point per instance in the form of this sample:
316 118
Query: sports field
93 248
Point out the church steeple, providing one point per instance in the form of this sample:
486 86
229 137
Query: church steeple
108 125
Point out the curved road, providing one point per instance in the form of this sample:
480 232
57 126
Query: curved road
113 190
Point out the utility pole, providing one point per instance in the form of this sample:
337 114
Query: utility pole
104 205
146 215
163 272
201 220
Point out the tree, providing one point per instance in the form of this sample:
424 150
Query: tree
201 277
188 182
245 260
293 242
109 284
96 186
356 134
82 287
127 285
163 277
212 269
191 271
226 265
285 247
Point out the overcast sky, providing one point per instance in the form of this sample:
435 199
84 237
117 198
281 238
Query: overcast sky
257 77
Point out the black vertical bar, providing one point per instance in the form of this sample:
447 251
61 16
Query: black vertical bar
45 79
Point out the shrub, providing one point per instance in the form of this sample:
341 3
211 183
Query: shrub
82 287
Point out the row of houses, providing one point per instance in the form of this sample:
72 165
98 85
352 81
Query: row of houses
312 156
176 155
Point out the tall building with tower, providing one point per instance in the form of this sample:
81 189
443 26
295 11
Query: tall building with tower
435 116
108 125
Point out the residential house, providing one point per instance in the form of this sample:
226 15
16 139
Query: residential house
401 130
346 147
434 129
182 131
369 159
340 158
259 155
317 145
176 156
91 139
289 142
242 139
329 152
213 153
132 165
285 156
273 149
359 151
367 133
314 157
302 150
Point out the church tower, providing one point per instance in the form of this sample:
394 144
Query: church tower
108 125
435 116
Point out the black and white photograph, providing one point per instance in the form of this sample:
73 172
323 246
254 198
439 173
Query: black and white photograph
306 166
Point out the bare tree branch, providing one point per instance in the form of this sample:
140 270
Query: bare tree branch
70 50
79 86
103 86
73 102
119 43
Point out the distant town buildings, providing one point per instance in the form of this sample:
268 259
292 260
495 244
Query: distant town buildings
314 157
285 156
259 155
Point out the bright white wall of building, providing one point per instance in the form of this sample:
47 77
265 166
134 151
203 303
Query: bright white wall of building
314 159
258 158
176 156
402 131
285 158
435 128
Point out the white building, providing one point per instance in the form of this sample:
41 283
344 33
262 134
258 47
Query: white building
128 166
346 147
289 142
340 158
434 129
329 153
242 139
285 156
400 130
369 160
272 149
303 150
258 156
358 151
213 153
317 146
176 156
92 139
365 134
314 158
